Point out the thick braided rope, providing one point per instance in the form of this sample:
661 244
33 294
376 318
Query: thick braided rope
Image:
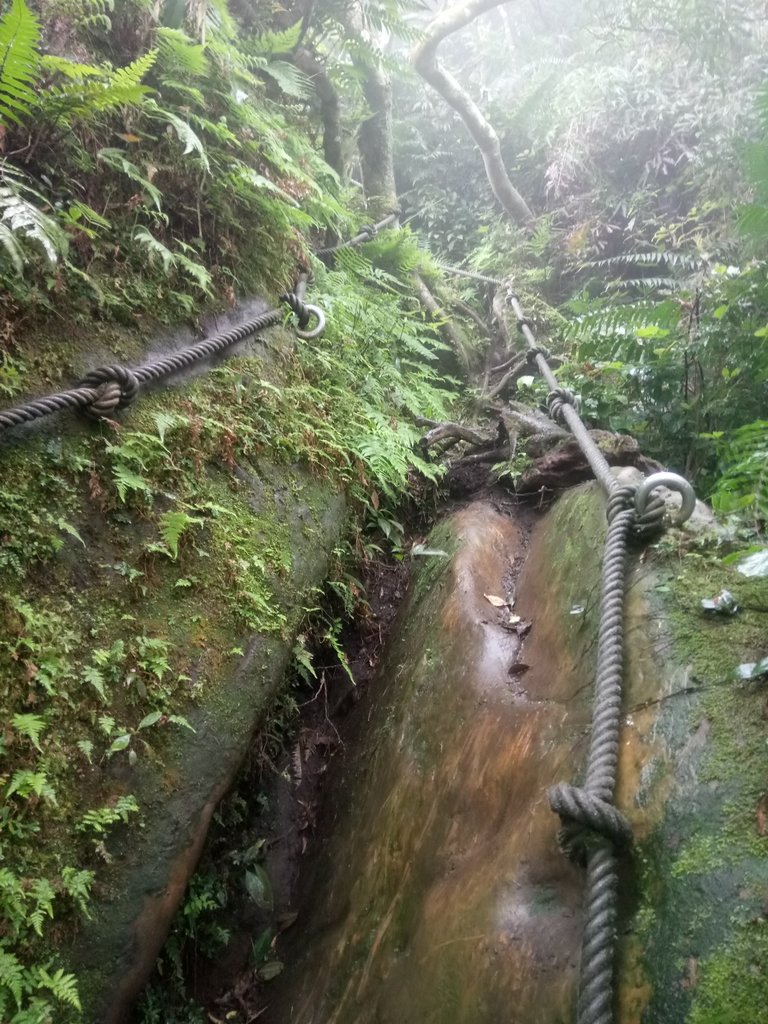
470 274
109 388
75 398
366 234
593 829
206 348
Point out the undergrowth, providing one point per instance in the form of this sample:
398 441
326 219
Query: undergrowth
92 676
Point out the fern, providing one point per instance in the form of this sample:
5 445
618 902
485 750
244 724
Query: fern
743 487
27 783
154 247
188 138
93 676
180 56
77 885
92 90
171 260
126 480
100 819
11 980
21 217
31 726
291 80
622 320
172 526
652 258
19 59
41 894
117 160
62 986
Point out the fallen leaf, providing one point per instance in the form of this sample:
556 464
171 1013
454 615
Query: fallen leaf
519 668
497 602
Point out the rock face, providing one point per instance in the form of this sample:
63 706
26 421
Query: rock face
441 894
115 952
147 653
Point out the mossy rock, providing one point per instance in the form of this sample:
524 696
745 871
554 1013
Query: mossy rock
442 895
155 574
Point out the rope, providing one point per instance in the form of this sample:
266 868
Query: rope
593 831
471 274
107 389
367 234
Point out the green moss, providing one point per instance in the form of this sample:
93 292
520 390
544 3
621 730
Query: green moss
733 986
704 872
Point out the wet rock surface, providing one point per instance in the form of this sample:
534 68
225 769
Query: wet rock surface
443 884
440 894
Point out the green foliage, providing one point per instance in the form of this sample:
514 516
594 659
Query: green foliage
743 485
19 59
100 819
22 218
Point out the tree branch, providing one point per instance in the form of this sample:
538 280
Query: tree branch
453 430
426 63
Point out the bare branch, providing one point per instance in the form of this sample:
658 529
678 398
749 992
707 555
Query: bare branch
443 430
511 375
449 332
426 63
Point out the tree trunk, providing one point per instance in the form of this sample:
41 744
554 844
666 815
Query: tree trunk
375 145
426 63
330 111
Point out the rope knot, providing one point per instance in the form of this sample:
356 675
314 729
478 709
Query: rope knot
116 387
299 308
522 322
584 816
556 402
533 352
621 499
304 312
369 229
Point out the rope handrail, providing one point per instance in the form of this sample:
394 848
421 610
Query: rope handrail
367 234
471 274
593 830
107 389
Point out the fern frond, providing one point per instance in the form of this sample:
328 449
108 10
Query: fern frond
11 976
744 485
19 60
178 55
623 319
116 159
291 79
20 216
652 258
188 138
278 42
172 525
31 726
90 90
62 986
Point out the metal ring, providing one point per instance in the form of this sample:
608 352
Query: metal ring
318 329
674 483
